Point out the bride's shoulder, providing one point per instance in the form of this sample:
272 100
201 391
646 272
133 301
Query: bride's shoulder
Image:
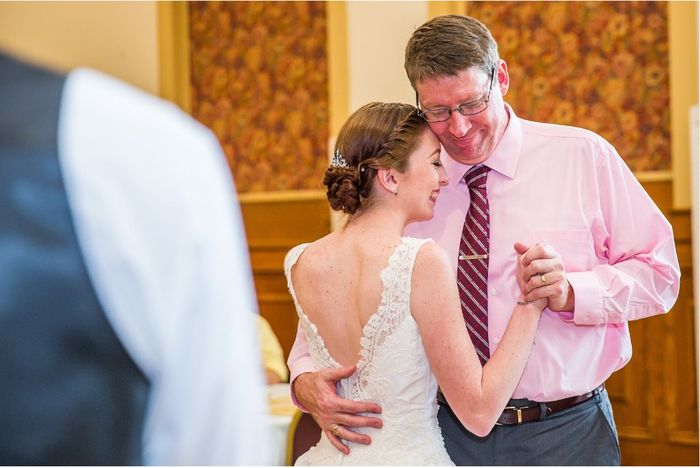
313 247
431 259
432 277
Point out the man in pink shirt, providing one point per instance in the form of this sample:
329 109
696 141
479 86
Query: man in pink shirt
593 242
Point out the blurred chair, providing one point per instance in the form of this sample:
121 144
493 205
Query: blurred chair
303 434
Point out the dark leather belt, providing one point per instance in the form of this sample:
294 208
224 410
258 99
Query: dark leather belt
536 411
539 411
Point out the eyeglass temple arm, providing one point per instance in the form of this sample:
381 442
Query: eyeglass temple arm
420 111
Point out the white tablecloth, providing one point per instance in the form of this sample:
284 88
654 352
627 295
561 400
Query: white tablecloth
281 411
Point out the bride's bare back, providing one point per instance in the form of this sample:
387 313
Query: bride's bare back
338 285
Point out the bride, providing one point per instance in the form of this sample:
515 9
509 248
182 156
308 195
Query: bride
365 291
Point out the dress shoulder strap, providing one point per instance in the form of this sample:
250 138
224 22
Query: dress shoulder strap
414 244
404 261
291 259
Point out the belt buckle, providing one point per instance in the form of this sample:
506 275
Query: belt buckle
518 410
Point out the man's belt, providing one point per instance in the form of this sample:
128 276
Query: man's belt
537 411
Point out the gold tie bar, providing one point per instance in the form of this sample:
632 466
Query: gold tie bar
473 257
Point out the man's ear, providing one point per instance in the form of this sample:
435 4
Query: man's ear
502 77
387 180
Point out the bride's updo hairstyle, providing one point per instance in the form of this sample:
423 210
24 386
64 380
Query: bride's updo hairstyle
376 136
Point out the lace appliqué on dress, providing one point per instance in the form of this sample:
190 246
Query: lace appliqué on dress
393 308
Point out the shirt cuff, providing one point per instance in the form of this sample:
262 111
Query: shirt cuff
588 299
302 367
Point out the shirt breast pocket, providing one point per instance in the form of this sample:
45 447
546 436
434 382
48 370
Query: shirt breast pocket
574 245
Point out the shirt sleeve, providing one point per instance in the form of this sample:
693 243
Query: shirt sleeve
213 409
160 228
299 362
641 275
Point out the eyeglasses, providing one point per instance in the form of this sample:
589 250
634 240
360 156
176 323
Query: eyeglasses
466 108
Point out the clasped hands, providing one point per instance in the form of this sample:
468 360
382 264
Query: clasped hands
541 275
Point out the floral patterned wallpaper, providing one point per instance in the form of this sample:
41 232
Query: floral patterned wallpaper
597 65
259 81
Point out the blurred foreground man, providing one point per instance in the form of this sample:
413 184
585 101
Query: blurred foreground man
127 325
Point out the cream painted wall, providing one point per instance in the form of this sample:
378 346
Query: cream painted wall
377 33
683 63
119 38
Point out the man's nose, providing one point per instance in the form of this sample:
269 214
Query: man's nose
459 124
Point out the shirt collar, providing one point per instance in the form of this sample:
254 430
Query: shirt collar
504 158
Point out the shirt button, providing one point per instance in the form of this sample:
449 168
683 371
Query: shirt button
496 340
493 292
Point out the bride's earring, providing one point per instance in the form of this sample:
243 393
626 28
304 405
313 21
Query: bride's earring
387 179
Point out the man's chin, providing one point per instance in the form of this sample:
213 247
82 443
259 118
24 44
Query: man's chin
468 156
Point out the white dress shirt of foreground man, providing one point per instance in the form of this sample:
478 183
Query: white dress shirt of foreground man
127 312
593 243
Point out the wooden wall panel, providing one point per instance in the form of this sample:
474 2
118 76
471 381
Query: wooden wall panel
682 403
654 397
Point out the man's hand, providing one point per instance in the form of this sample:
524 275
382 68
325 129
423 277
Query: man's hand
543 276
316 392
522 280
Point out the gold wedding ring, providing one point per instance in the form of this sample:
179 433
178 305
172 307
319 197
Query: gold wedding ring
334 429
543 278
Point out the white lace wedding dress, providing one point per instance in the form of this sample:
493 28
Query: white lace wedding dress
393 371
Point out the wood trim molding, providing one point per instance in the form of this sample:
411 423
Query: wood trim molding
281 196
282 298
654 176
338 85
174 53
683 83
684 438
637 434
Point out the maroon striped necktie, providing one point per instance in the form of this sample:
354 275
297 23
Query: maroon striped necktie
473 262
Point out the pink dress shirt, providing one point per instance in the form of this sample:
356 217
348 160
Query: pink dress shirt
569 188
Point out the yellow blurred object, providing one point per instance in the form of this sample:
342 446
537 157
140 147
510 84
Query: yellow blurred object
280 400
273 357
